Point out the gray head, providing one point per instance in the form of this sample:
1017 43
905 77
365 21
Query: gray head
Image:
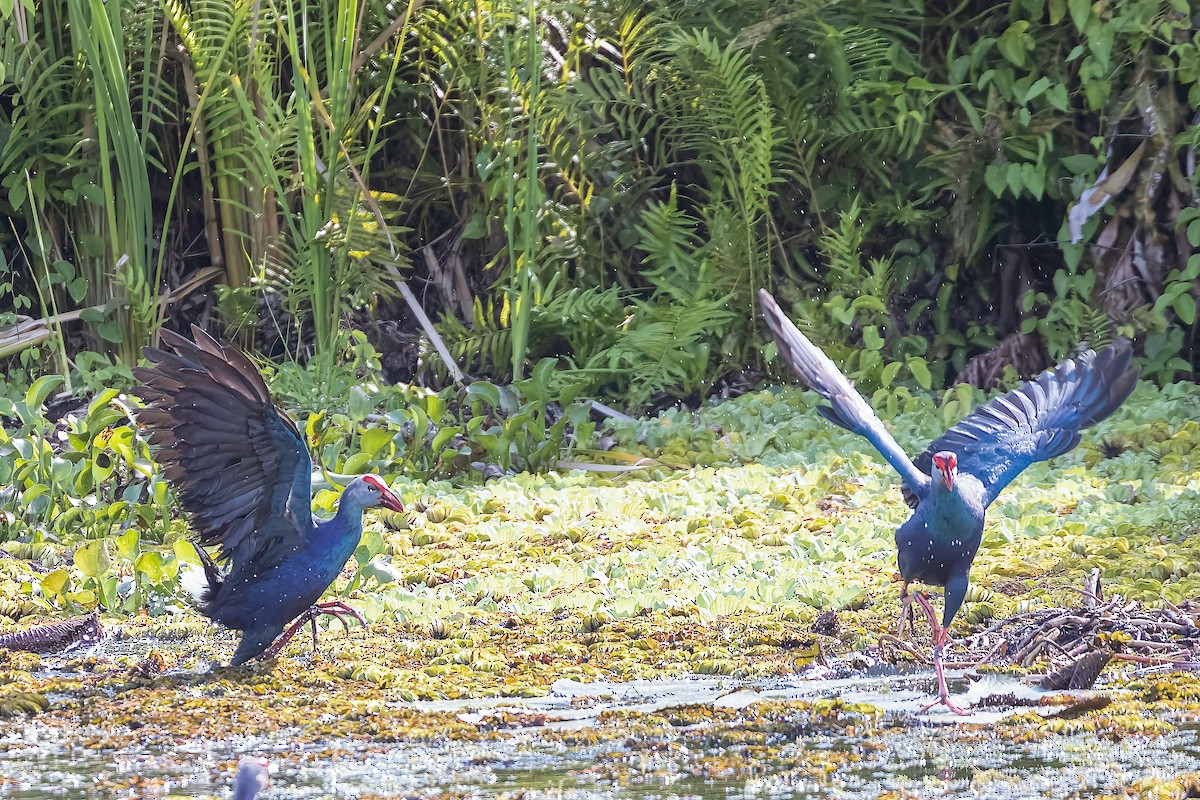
946 463
368 491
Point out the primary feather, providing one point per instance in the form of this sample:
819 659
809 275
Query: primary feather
242 472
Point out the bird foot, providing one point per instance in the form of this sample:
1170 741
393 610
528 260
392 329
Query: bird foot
943 700
887 640
338 609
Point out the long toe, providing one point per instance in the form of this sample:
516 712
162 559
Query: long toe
944 700
339 610
943 690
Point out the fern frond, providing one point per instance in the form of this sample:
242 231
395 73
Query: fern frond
665 349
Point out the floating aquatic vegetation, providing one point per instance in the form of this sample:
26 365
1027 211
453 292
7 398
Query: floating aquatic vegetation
773 557
27 704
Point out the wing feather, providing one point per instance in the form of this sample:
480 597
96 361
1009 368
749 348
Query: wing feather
239 465
1039 420
847 407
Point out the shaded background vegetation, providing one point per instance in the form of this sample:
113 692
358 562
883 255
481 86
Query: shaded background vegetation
939 189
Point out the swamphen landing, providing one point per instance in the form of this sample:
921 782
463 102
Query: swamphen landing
241 469
953 482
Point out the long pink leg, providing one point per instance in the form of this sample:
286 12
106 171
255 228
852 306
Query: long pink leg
906 601
940 636
337 608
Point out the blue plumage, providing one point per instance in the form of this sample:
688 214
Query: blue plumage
951 484
241 469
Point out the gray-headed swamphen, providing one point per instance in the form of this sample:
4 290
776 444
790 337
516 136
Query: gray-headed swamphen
974 460
242 471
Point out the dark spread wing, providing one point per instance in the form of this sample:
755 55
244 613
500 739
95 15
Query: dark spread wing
1040 420
848 409
239 466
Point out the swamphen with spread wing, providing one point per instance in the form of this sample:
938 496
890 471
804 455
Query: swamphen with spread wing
241 469
974 460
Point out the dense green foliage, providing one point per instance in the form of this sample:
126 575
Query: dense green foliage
751 505
605 183
585 196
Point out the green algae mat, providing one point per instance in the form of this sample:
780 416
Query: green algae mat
664 631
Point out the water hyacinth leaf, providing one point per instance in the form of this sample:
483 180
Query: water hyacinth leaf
41 389
101 400
155 567
36 499
370 546
91 558
185 552
61 470
489 393
374 440
444 436
55 583
381 571
102 468
360 406
356 464
127 544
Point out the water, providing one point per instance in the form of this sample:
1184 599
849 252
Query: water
903 754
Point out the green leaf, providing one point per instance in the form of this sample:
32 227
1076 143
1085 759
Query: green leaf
381 571
92 558
476 227
101 400
110 331
1080 164
1058 96
375 439
360 405
357 464
888 375
1081 11
1014 179
41 389
969 109
1034 178
489 393
17 194
127 544
1014 42
920 372
443 437
1037 89
185 551
1185 308
54 583
1100 41
993 176
77 288
155 567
